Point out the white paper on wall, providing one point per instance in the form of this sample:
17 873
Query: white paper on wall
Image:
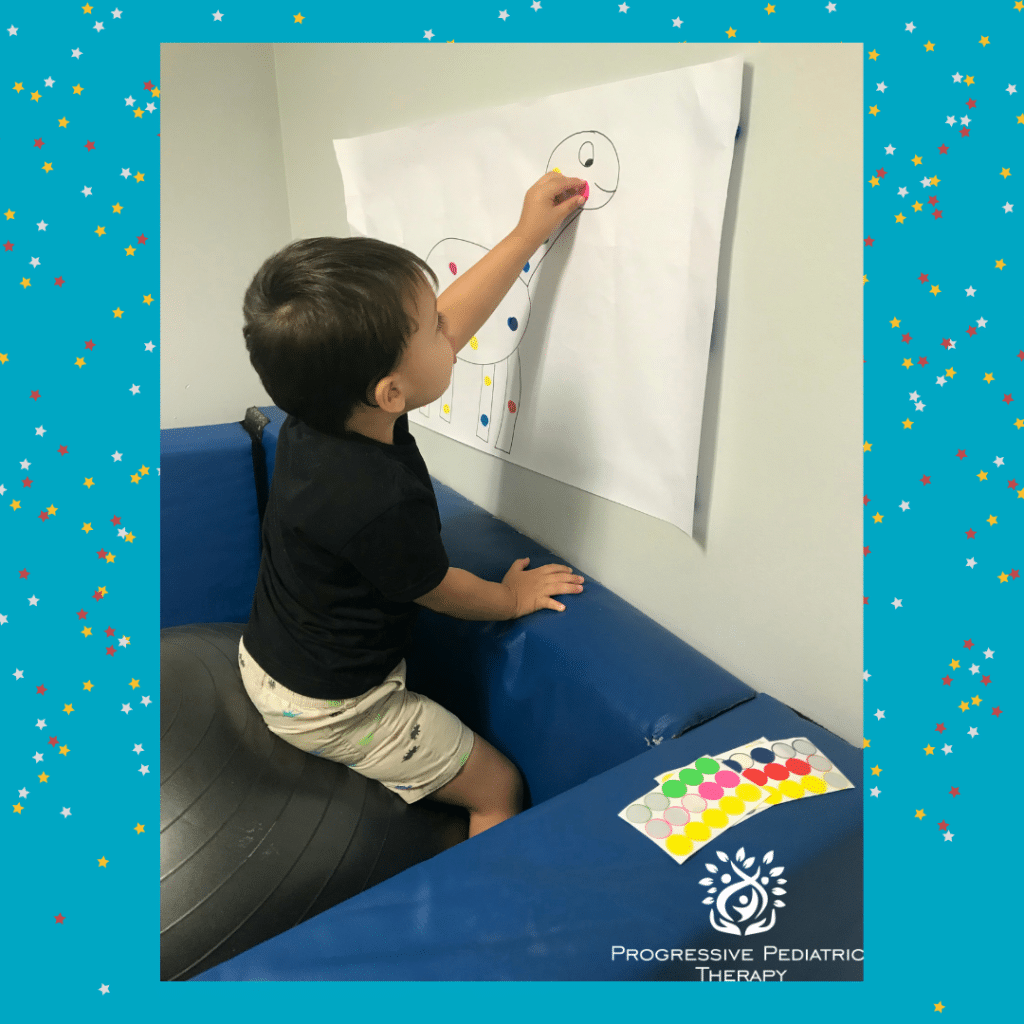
592 368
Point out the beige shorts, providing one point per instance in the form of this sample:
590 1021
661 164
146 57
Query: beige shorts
405 741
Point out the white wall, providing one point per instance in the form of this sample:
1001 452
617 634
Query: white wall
770 585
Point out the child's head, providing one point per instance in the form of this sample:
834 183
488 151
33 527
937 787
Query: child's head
326 319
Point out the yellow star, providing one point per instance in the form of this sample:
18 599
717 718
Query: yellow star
964 705
102 590
867 445
969 80
101 231
983 40
140 829
1003 577
929 46
88 481
908 424
951 372
87 685
936 289
867 743
1000 264
35 97
939 1007
876 770
935 180
992 520
929 749
87 631
79 362
3 358
17 808
1005 172
1020 119
894 322
900 218
954 664
137 112
299 18
730 32
917 207
976 700
917 160
873 180
130 537
77 90
15 505
147 299
873 55
878 517
18 87
117 207
65 751
118 313
87 527
866 276
134 684
130 250
770 8
154 92
110 556
983 475
87 8
1019 5
140 177
9 214
52 510
68 709
44 777
63 122
47 168
873 111
919 814
103 862
26 282
135 478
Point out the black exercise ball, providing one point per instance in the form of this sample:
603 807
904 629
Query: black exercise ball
256 835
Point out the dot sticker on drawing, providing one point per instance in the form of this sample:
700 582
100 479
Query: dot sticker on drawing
693 805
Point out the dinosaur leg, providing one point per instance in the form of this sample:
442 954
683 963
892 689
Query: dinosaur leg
510 412
483 420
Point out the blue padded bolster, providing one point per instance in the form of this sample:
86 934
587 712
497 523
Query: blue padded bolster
564 695
209 525
546 895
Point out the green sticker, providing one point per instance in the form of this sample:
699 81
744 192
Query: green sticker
708 765
674 788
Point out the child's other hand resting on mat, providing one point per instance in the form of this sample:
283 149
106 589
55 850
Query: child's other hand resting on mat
534 589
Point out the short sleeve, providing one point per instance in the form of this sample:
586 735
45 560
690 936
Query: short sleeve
401 552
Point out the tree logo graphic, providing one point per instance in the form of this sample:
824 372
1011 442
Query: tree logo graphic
740 901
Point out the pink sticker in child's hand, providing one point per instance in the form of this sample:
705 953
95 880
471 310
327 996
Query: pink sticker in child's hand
586 190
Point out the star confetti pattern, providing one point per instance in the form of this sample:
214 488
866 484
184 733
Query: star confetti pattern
943 464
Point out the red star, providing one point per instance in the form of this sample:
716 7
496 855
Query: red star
35 396
933 200
63 449
865 599
869 241
866 499
961 453
101 553
8 246
986 680
90 344
946 342
943 148
23 574
148 86
90 145
867 551
40 689
59 282
942 826
906 339
996 712
44 514
1014 573
946 680
940 728
965 132
922 361
27 482
116 520
972 103
937 214
59 918
1012 485
880 172
82 613
110 651
109 630
923 277
38 144
972 330
968 643
53 741
955 791
141 239
1007 399
98 596
970 535
926 480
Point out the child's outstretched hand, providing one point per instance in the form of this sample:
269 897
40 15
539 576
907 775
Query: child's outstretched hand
548 202
533 589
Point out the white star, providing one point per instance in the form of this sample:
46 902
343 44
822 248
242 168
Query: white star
40 430
126 708
971 563
879 714
116 456
867 675
428 34
830 8
1011 89
951 120
897 603
42 225
147 701
970 291
913 396
116 13
66 811
76 54
87 191
129 101
150 107
137 749
974 670
134 389
998 460
34 262
904 505
875 791
972 732
503 15
217 16
535 5
1008 207
623 8
98 26
48 83
990 653
941 381
22 793
890 150
25 463
37 757
12 31
104 989
982 322
123 532
18 674
948 836
947 749
33 600
126 172
965 120
676 22
881 87
919 406
144 769
957 77
926 182
910 26
150 346
3 620
124 641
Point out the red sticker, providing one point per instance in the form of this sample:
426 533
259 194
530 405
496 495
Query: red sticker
776 771
511 406
452 268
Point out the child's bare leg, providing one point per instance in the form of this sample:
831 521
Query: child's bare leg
488 785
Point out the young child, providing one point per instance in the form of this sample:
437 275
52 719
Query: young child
347 338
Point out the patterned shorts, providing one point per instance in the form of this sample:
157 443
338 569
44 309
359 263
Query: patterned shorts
404 740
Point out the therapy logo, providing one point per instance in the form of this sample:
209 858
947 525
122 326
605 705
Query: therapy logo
739 898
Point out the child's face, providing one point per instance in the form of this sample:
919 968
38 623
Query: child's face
426 368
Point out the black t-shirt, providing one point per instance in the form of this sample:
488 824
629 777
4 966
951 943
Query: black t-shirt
351 536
